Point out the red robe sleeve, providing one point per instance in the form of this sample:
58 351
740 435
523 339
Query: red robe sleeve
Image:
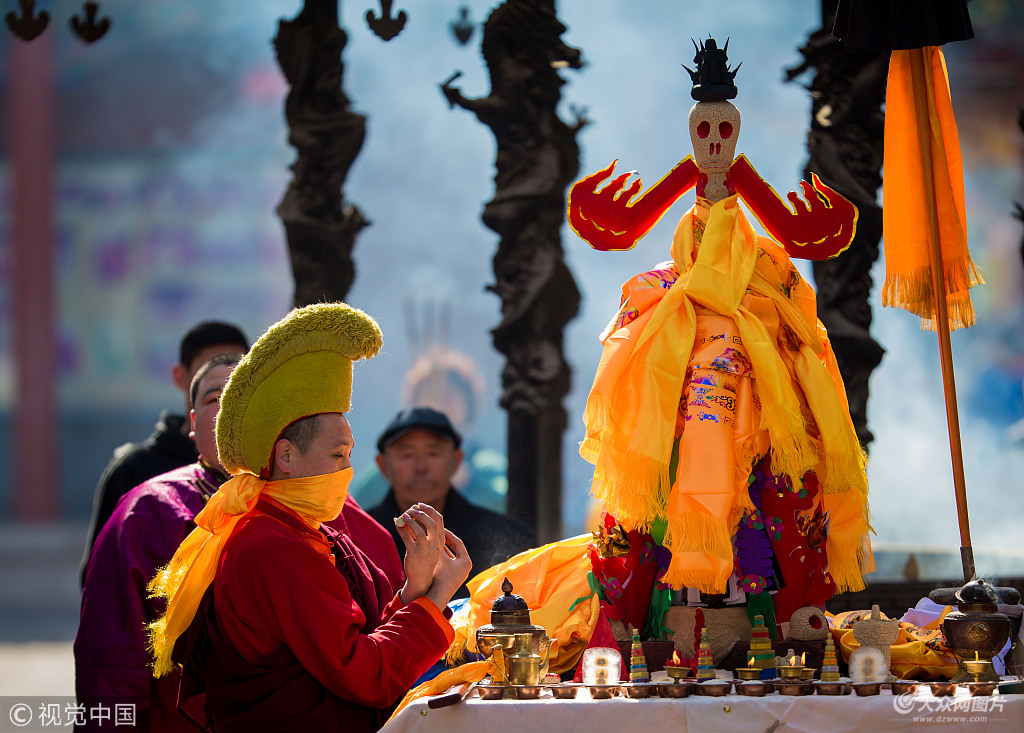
275 586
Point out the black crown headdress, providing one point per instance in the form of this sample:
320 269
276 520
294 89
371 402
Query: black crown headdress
712 79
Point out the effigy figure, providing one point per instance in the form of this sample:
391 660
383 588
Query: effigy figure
717 420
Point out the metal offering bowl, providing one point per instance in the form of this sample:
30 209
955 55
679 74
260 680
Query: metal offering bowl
831 688
527 692
639 690
675 689
603 692
982 689
904 687
752 688
491 692
565 692
943 689
714 688
866 689
792 687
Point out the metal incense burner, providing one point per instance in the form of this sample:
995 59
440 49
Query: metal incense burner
524 646
976 631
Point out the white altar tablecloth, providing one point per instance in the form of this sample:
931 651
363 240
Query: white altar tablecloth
734 713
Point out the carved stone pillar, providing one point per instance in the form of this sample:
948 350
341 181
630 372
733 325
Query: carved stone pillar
845 150
321 228
537 158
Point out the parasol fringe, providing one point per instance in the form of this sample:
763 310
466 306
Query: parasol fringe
912 291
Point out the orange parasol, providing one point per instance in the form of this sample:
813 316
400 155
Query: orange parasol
928 266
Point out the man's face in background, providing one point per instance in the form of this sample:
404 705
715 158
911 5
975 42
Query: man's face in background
420 465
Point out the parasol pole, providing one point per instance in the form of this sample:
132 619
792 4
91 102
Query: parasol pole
919 60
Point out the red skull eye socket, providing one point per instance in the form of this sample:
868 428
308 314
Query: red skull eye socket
703 129
725 130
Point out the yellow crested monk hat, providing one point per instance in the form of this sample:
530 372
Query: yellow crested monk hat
301 366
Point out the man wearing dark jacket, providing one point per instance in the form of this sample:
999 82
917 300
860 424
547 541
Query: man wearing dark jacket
169 446
142 534
418 453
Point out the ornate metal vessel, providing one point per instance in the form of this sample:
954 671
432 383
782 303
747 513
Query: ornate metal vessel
976 631
524 646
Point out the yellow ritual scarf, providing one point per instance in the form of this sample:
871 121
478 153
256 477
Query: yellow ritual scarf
908 282
631 413
919 652
553 580
184 580
464 674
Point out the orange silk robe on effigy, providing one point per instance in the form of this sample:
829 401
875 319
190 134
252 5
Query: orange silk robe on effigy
721 349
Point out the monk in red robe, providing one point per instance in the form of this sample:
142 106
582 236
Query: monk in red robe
280 622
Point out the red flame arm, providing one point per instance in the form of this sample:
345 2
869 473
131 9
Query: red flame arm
818 229
609 219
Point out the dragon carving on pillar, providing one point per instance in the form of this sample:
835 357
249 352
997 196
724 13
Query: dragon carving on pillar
537 158
321 228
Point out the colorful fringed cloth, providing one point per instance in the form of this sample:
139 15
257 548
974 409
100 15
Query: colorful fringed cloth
553 580
907 233
769 384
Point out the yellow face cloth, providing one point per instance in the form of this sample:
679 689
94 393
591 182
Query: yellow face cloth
184 580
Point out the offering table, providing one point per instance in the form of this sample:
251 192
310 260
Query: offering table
733 713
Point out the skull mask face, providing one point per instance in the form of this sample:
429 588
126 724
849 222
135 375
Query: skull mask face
714 127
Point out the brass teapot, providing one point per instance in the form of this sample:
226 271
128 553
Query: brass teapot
523 646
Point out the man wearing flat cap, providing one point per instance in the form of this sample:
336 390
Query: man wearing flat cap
281 623
418 453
